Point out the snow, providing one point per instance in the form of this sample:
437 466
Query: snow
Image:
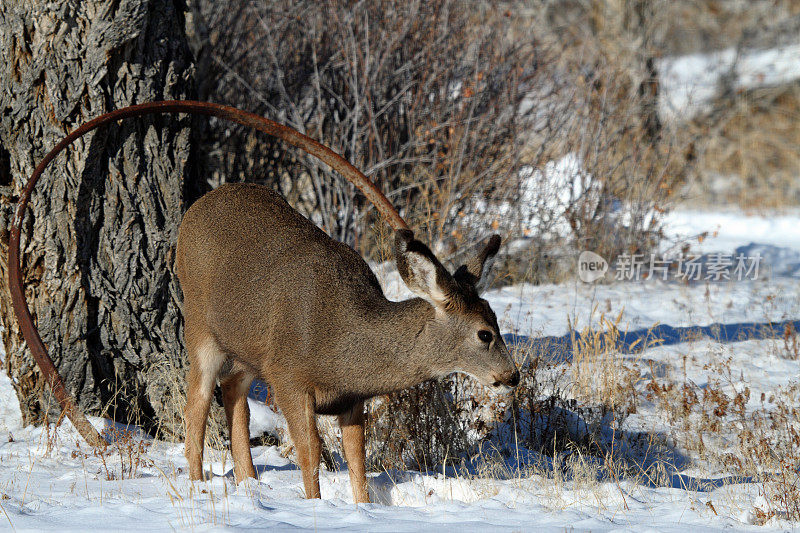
49 479
688 84
679 306
542 199
773 238
730 230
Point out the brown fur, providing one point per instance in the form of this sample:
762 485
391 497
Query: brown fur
268 294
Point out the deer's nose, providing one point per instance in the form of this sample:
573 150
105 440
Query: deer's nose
511 379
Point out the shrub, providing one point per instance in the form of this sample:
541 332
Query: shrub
471 117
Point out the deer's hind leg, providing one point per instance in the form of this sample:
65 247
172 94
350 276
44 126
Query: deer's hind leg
205 360
234 396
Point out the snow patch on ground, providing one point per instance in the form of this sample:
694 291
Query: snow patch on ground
688 84
774 238
10 415
543 198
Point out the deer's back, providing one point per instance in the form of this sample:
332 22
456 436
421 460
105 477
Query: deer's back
263 280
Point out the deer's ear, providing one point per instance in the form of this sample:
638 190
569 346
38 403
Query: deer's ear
422 273
476 269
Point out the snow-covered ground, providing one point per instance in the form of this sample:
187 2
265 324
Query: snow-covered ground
49 480
688 84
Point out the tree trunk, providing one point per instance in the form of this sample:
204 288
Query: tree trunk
627 26
97 256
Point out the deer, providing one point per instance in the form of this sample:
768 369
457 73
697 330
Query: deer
269 295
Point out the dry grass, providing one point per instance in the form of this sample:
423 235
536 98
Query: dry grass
690 26
744 152
563 420
600 375
752 152
715 426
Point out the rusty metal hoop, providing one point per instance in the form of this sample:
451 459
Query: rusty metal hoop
285 133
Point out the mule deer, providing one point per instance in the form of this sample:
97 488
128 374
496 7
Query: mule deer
268 294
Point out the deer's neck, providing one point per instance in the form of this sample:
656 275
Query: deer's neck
400 345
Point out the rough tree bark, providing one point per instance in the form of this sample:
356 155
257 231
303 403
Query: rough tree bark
98 255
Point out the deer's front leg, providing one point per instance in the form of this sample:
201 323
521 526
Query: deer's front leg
298 408
352 424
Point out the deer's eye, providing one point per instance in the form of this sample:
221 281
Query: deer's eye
485 336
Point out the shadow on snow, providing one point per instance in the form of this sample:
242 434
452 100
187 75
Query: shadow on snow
560 348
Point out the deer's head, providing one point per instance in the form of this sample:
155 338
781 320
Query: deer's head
464 330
